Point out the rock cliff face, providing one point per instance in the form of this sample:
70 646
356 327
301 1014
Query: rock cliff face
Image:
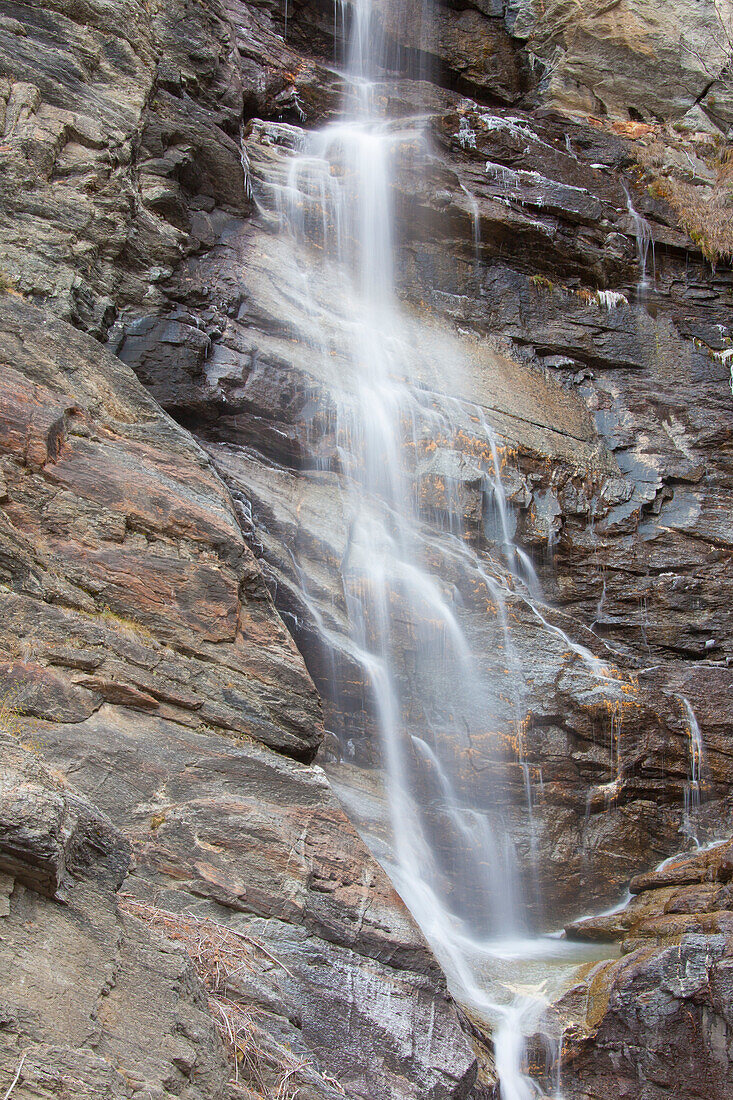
76 971
173 611
648 61
151 669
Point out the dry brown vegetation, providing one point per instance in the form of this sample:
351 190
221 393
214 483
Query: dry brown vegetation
9 285
11 711
707 221
262 1068
696 180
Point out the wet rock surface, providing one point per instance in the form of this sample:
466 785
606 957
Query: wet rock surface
631 502
657 1021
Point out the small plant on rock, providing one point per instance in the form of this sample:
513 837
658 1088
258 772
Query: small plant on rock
541 282
11 711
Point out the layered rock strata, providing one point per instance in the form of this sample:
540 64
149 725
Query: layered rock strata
621 469
149 664
93 1005
657 1021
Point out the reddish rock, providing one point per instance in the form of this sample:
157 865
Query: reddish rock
150 664
132 516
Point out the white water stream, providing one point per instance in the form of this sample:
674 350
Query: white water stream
692 790
644 241
453 862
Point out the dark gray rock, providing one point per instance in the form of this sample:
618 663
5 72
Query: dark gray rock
657 1021
49 835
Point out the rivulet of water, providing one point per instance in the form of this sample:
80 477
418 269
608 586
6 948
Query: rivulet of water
644 242
692 789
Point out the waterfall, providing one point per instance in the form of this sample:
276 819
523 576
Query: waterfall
644 239
692 789
390 436
338 194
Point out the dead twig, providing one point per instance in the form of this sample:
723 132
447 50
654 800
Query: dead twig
179 926
14 1082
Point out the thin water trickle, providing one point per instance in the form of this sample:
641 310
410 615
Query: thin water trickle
475 223
644 242
692 789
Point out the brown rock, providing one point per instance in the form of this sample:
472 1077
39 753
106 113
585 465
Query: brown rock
628 58
160 638
672 982
169 584
713 865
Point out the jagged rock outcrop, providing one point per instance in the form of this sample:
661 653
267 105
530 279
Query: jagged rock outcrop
120 150
114 115
127 579
657 1021
650 61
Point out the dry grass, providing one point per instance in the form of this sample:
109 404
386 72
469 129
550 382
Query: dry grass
217 952
261 1066
11 711
269 1072
704 208
128 627
706 217
15 1080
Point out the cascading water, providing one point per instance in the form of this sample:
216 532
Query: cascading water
692 789
644 240
452 855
